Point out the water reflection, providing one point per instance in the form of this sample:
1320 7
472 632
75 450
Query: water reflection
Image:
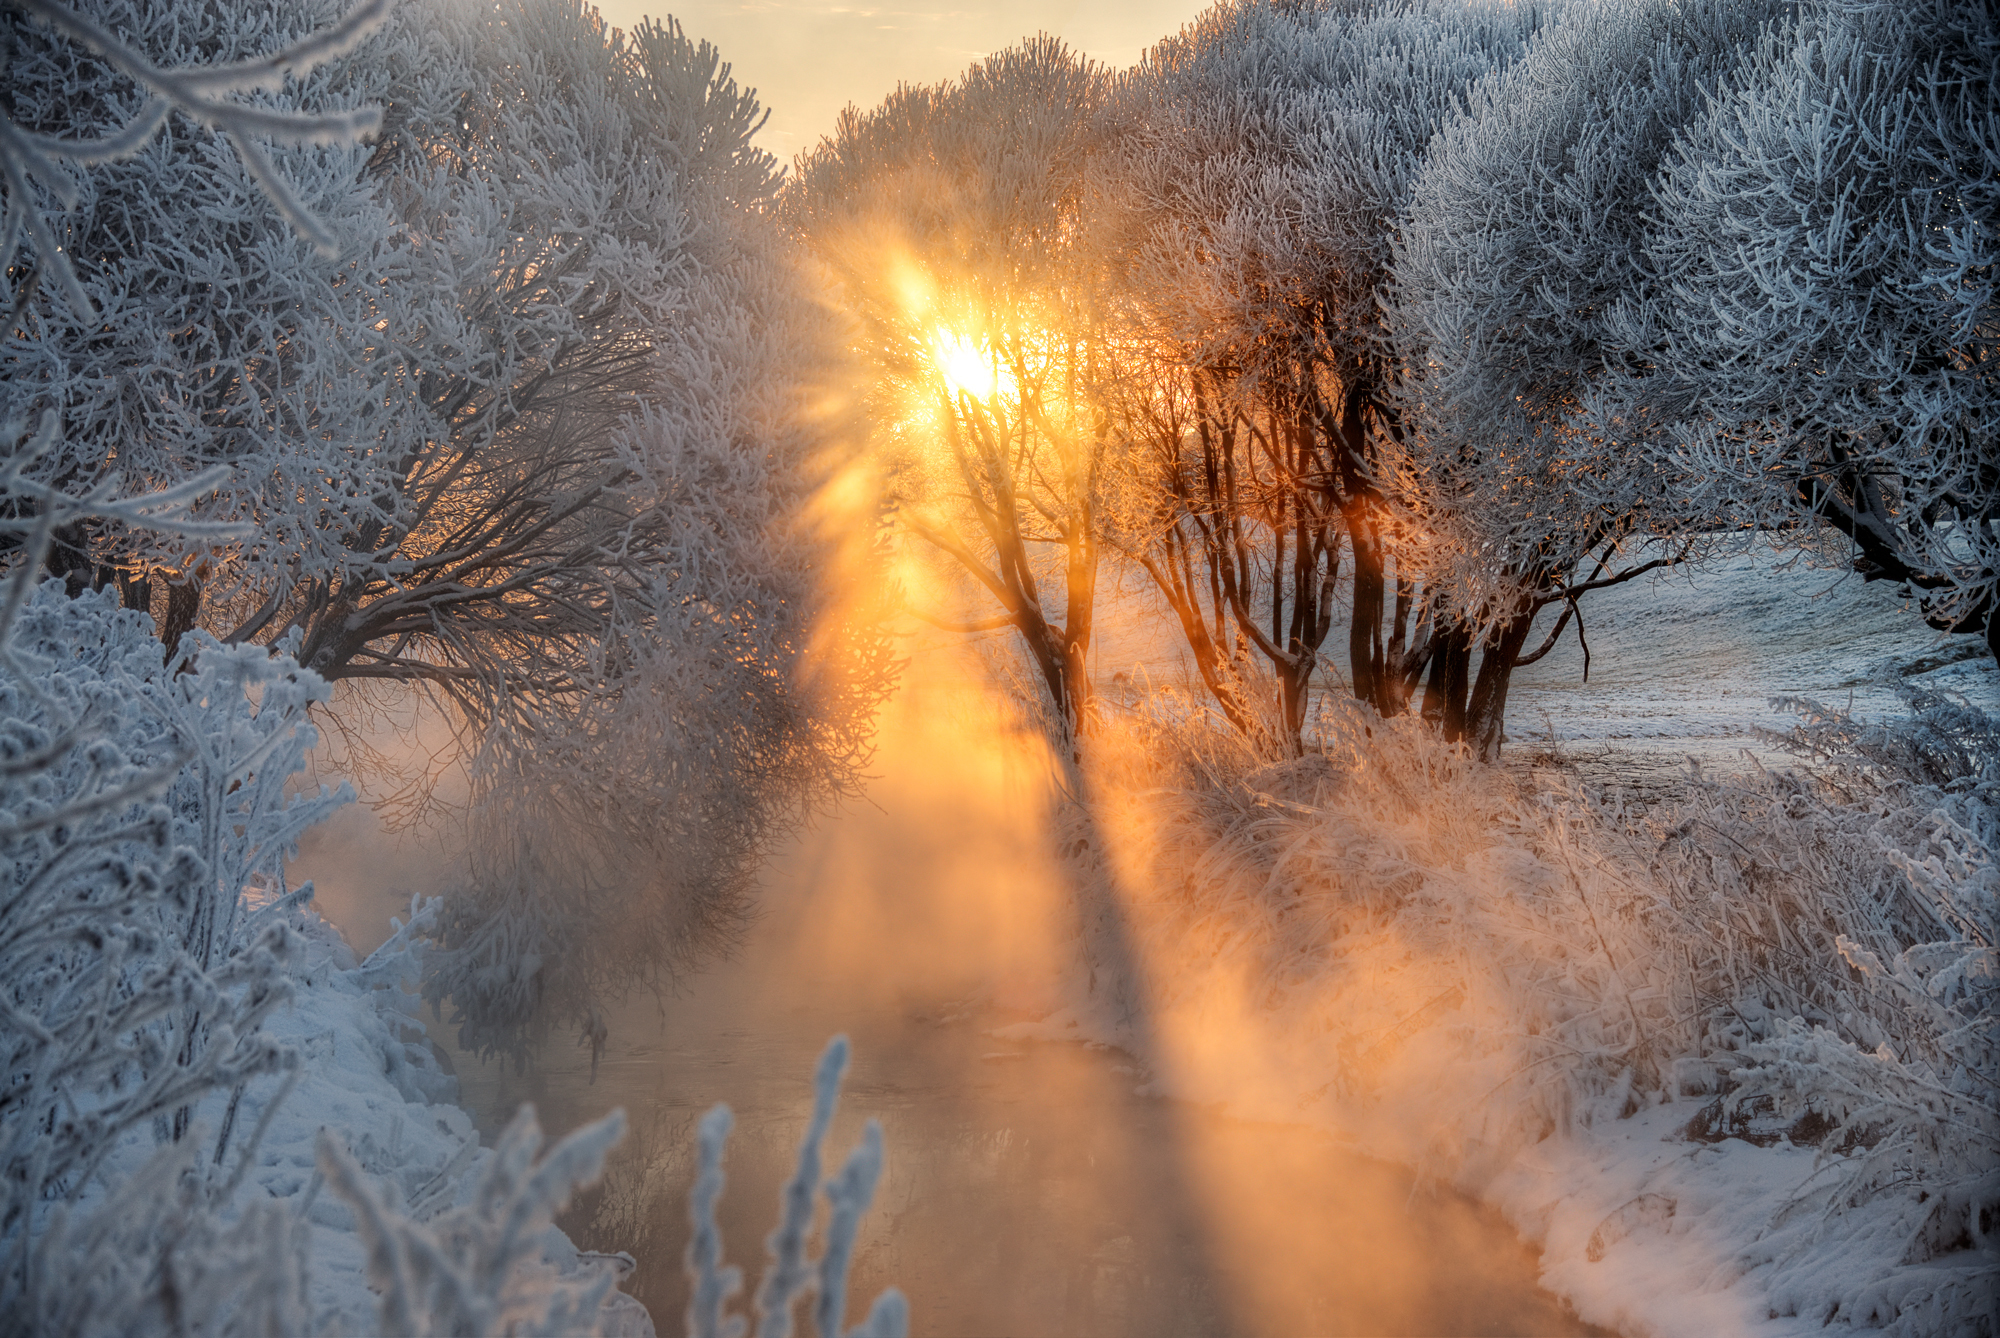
1029 1188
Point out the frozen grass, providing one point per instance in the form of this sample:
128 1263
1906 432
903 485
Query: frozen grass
1459 962
790 1276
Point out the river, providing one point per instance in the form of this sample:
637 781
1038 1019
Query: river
1030 1188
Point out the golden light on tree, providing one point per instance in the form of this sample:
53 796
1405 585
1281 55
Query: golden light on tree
964 364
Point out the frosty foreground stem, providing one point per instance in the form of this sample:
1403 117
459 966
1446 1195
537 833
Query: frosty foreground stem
788 1276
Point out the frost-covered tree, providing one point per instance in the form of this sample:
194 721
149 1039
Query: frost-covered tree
179 301
949 221
542 438
603 554
495 443
1252 202
606 555
1520 247
143 926
1823 241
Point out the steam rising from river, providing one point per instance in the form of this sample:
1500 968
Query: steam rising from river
966 904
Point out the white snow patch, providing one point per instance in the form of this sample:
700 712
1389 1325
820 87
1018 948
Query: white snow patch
369 1077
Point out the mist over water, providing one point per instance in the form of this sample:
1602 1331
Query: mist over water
1031 1187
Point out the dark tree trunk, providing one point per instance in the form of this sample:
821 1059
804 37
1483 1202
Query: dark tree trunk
1450 680
1364 634
135 592
1211 660
1486 712
183 608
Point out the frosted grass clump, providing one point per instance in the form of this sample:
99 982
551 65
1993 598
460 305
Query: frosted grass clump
480 1266
790 1275
147 935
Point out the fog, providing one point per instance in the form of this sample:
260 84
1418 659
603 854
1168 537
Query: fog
1032 1186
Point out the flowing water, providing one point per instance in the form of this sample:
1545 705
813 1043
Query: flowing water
1030 1188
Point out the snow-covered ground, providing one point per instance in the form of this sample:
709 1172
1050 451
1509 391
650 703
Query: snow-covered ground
370 1080
1686 664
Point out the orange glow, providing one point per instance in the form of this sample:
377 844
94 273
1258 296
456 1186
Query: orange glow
965 365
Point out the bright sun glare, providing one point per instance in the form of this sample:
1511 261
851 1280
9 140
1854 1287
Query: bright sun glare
964 365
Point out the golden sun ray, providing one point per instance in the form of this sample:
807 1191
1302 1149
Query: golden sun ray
964 364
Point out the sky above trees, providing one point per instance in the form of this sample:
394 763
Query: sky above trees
809 58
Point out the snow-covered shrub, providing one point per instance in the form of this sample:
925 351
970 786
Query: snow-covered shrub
146 937
143 926
1851 911
1349 904
479 1267
790 1274
156 1253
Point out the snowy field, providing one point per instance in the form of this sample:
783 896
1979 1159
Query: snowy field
1684 665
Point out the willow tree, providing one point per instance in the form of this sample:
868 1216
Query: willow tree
948 220
1824 238
1262 157
1519 259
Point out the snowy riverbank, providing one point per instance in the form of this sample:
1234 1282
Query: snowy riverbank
1641 1229
1542 997
369 1079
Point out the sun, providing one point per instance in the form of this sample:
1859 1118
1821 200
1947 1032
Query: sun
964 365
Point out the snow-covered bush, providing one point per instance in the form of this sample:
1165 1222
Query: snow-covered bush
146 941
1851 911
156 1252
479 1267
146 934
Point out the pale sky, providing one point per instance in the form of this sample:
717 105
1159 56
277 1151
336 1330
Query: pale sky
807 58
